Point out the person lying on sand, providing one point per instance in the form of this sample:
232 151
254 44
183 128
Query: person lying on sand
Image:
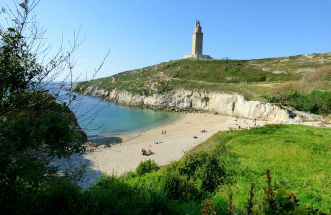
195 137
145 152
204 131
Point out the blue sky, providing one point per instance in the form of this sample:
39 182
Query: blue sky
140 33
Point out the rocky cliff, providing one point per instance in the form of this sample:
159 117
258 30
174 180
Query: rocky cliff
188 100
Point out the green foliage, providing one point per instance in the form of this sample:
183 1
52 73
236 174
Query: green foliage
33 126
288 151
207 170
147 167
179 187
114 196
182 187
278 202
198 174
251 78
318 102
41 121
59 196
275 201
18 68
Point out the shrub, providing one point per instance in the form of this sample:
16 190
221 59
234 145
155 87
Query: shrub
112 195
59 197
209 174
179 187
147 167
208 169
317 102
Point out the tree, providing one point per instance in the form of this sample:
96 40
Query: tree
34 126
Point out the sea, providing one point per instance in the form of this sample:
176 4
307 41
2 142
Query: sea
99 118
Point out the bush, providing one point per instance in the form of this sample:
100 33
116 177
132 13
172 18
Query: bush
147 167
179 187
208 169
112 195
60 197
317 102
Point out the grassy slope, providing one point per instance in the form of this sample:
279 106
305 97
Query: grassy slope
299 158
258 76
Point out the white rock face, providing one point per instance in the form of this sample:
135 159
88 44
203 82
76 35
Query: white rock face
187 100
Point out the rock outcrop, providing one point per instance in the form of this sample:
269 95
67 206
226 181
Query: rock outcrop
188 100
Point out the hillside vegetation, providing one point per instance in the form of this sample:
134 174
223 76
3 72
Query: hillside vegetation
272 79
277 169
215 75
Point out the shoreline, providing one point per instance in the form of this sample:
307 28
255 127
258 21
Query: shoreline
121 158
182 135
117 138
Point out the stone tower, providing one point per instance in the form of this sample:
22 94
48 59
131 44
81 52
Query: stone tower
197 44
197 39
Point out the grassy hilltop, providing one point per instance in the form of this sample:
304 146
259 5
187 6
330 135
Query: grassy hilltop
272 79
215 75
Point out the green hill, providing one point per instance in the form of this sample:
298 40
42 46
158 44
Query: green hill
258 76
297 156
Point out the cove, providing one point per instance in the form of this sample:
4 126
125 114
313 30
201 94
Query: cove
102 118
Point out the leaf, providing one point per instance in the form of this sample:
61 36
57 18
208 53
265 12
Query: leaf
11 29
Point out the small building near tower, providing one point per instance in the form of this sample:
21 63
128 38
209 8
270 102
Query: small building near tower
197 44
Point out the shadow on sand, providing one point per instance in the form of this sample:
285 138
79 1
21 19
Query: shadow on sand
103 140
79 169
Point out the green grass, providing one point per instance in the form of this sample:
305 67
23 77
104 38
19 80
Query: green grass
317 101
299 158
267 80
213 75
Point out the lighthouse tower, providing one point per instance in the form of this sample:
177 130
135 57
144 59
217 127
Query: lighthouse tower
197 39
197 44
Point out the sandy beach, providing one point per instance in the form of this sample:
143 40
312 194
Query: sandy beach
181 136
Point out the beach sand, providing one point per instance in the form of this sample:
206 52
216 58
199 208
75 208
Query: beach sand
179 138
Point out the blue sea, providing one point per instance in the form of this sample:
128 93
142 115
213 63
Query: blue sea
99 118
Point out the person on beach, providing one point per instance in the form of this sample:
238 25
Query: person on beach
145 152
